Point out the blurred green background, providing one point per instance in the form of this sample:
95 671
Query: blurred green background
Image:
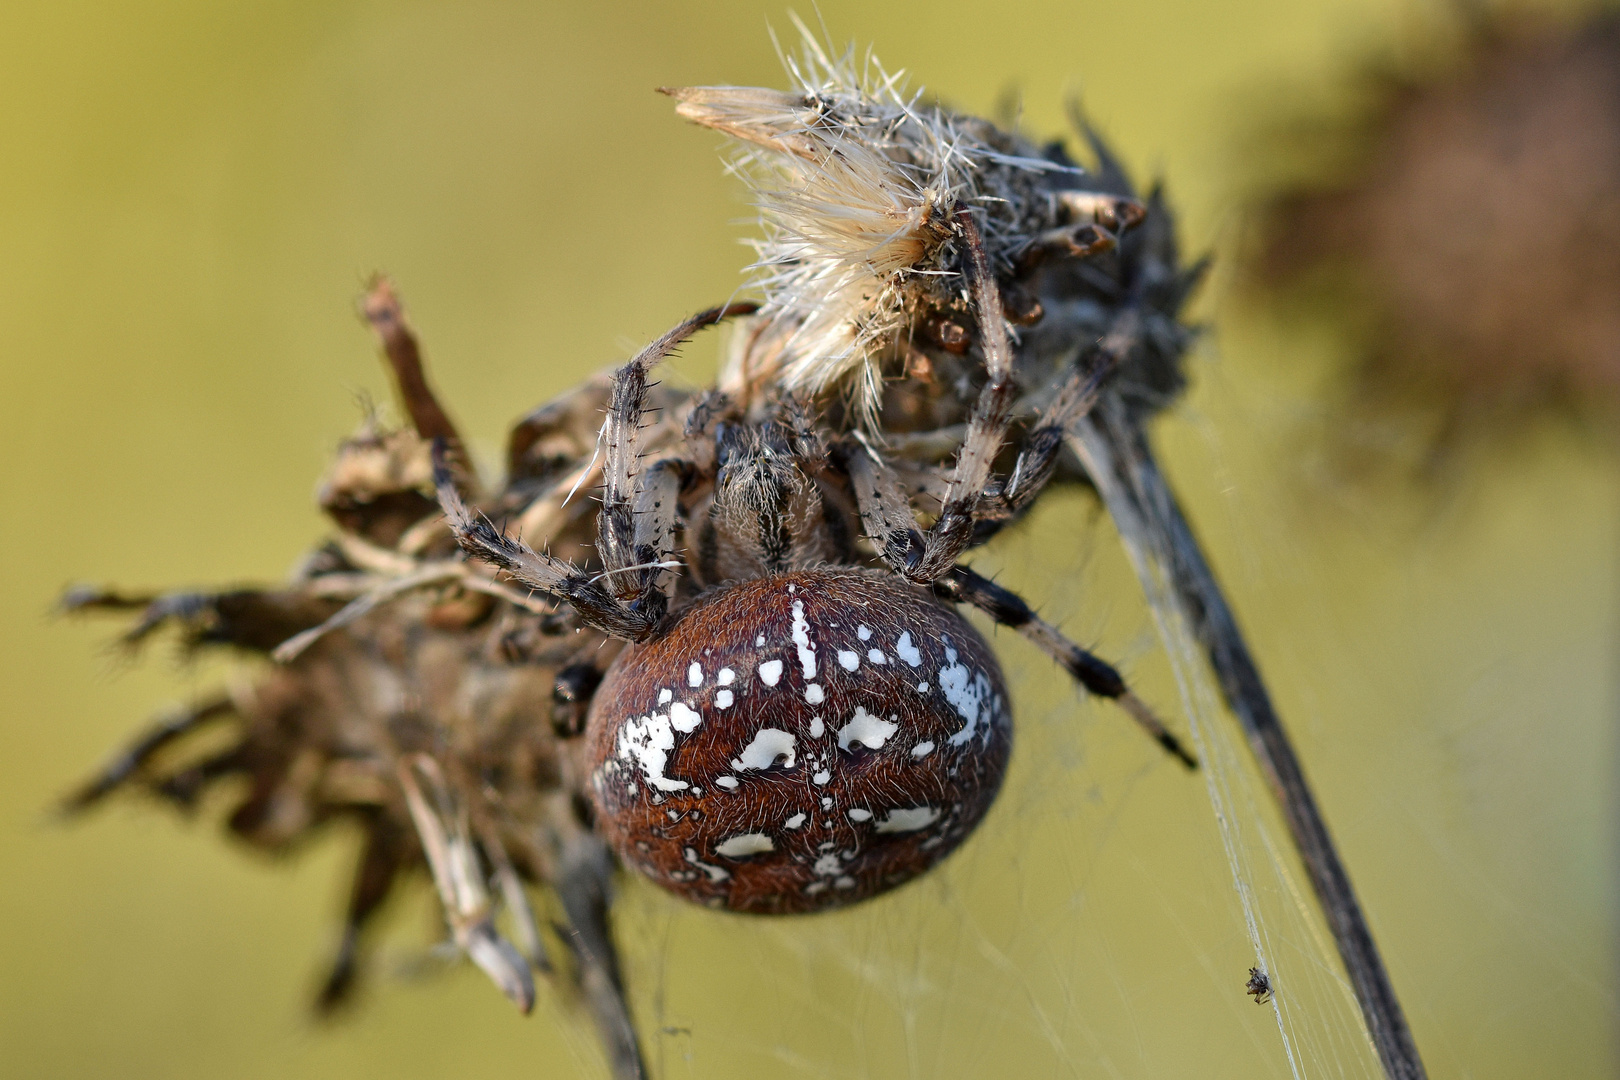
191 196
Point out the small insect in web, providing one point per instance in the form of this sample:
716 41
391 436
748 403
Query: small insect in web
742 669
1258 986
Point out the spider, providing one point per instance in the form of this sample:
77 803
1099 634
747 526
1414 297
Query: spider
797 723
741 668
1258 986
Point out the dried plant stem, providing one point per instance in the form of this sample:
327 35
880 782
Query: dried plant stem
1120 461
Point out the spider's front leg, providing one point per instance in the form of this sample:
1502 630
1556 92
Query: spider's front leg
972 508
538 570
1037 457
886 518
928 555
634 527
963 586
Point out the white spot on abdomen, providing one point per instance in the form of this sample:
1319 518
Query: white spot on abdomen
768 745
923 749
684 718
794 822
801 638
727 676
715 873
648 740
770 671
907 651
722 699
910 820
847 660
813 694
876 656
743 844
864 633
694 674
727 782
970 695
868 730
860 815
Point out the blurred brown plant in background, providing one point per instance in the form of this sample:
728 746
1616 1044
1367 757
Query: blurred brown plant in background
1464 221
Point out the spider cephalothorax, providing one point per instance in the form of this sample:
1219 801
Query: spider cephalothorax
741 666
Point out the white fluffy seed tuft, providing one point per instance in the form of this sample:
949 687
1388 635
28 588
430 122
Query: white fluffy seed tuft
857 184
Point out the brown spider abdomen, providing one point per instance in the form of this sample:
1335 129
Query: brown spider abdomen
798 741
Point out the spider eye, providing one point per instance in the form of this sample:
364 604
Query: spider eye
798 741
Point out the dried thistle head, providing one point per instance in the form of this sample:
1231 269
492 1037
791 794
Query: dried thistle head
859 183
395 687
1463 225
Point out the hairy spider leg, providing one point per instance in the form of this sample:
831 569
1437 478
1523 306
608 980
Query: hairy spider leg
633 617
655 509
931 554
616 522
1006 607
1038 455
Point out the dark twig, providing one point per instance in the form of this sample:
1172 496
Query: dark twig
1120 460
